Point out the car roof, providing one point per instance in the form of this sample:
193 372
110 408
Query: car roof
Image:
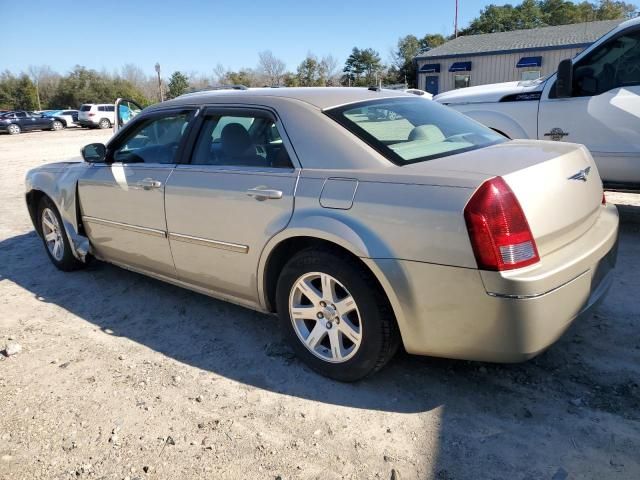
320 97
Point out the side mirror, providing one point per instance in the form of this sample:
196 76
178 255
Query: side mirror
94 153
564 79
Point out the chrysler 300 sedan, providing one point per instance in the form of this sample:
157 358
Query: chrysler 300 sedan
414 226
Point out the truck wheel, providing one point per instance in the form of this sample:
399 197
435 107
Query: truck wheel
335 316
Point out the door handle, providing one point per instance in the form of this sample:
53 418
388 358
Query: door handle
149 183
261 193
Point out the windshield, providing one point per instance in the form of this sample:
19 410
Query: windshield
410 130
52 113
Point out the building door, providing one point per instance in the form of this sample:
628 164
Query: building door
431 85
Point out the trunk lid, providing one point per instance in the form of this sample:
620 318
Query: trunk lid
557 184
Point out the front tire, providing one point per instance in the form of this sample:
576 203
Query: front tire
54 237
335 315
104 123
57 125
14 129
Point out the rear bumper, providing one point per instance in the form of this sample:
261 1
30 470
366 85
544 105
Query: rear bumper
467 314
87 123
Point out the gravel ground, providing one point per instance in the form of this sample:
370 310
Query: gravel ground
120 376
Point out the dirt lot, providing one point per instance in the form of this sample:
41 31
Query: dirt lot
121 377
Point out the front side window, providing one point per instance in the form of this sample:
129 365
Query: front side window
154 140
613 65
410 130
250 140
461 81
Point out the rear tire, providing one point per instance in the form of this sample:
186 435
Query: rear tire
54 237
14 129
354 334
104 123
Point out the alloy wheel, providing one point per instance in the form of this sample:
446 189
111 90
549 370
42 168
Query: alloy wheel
325 317
52 234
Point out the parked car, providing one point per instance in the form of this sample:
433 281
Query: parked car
69 118
19 121
593 99
97 115
432 230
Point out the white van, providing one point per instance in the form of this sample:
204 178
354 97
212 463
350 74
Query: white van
593 99
97 115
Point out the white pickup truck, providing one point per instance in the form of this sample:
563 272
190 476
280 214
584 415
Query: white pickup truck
593 99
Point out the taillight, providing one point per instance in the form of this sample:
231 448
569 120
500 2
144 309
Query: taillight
499 231
92 115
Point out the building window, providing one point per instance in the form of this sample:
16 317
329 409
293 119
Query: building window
531 75
461 81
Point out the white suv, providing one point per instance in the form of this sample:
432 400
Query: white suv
100 115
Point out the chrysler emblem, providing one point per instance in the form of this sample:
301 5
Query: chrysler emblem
556 134
581 175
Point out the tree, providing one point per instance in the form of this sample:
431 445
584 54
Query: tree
178 84
271 68
307 72
317 73
362 67
244 76
35 73
540 13
83 85
25 94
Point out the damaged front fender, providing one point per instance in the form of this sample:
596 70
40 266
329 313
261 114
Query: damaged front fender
59 182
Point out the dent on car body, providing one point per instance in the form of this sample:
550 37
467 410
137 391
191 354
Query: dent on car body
59 181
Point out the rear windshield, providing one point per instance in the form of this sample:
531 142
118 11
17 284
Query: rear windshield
409 130
85 108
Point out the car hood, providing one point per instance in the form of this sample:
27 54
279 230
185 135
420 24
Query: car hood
488 93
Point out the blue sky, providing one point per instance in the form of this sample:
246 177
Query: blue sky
191 35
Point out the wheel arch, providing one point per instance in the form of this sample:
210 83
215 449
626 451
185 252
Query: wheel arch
33 198
282 247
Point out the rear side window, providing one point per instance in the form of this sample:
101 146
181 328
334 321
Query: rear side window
410 130
101 108
85 108
250 140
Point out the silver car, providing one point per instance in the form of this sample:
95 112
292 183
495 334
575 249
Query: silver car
416 225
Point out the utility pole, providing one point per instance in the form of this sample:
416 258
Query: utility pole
455 25
159 83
